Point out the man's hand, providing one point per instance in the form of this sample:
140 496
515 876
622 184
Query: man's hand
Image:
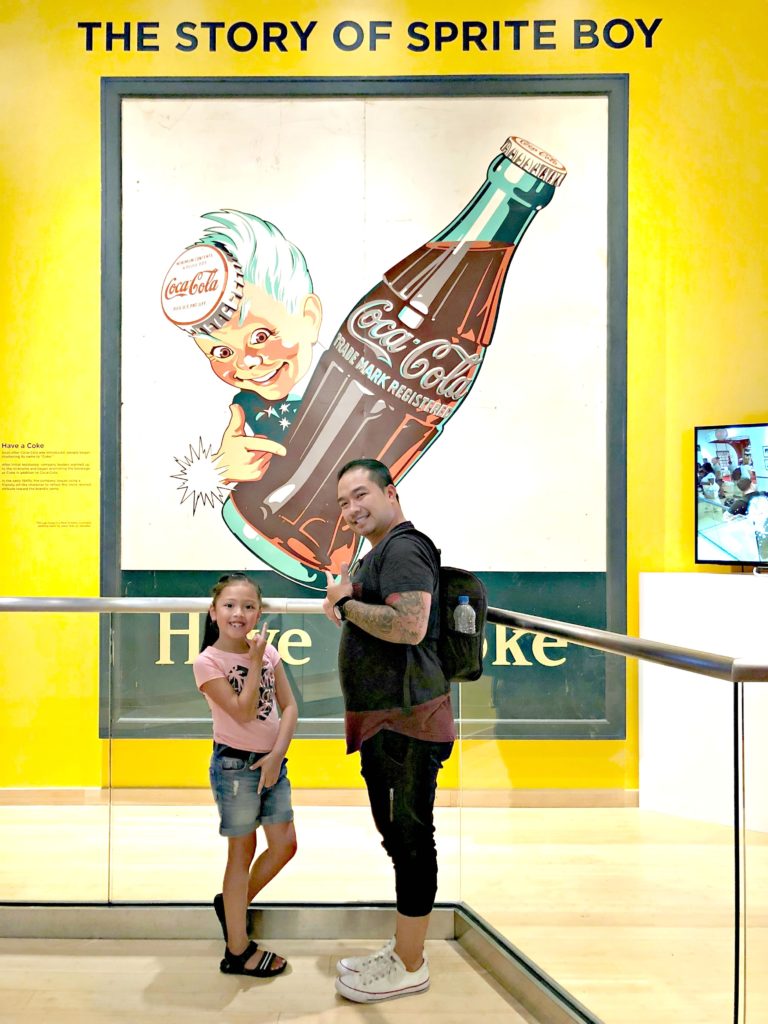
242 457
336 590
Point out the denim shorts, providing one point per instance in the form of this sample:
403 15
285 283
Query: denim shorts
241 808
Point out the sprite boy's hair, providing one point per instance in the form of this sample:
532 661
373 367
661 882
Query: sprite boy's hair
267 258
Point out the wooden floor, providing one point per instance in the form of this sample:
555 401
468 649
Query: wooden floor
631 911
104 981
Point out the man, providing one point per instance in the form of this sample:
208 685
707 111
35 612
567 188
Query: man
746 468
748 493
709 487
398 712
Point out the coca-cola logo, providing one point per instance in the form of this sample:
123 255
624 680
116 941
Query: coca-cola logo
202 281
199 280
439 364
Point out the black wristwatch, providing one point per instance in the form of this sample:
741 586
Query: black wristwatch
339 606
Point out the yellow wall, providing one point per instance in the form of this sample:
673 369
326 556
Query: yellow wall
697 290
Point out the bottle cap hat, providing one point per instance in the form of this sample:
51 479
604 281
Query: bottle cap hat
202 289
535 161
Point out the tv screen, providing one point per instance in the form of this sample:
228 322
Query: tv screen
732 494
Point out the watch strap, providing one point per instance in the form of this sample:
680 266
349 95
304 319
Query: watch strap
339 606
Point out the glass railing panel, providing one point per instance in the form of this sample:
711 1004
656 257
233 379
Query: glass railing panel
164 837
54 772
755 860
628 908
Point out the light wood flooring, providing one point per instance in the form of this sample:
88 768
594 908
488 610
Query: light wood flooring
105 981
631 911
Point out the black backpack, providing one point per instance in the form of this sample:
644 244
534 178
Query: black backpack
461 654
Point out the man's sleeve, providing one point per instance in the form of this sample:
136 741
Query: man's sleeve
408 565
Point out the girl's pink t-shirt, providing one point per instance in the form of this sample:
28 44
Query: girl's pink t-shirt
260 733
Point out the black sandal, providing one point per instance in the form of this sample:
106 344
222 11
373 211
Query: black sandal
218 906
234 963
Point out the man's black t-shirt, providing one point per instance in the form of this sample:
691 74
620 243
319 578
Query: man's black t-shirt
377 674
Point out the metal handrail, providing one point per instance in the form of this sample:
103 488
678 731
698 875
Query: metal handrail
142 605
702 662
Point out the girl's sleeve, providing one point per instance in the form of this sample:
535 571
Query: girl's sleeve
205 668
272 655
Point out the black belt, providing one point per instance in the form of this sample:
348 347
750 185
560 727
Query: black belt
222 750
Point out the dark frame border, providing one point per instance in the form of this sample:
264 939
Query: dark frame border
614 87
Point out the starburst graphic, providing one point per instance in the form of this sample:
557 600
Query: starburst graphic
284 423
201 478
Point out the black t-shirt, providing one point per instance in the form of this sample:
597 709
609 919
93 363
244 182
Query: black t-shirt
377 674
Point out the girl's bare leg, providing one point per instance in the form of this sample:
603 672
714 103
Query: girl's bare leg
240 852
281 846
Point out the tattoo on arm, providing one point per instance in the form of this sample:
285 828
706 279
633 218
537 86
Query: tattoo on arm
402 620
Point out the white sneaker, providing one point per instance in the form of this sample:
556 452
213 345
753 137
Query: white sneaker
355 964
386 979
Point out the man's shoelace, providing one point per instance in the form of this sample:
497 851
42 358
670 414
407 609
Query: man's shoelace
380 969
373 959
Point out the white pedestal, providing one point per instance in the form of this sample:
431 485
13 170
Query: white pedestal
686 720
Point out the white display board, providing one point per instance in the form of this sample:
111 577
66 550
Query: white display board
357 184
686 720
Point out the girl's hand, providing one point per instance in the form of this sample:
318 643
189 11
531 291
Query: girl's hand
270 769
258 643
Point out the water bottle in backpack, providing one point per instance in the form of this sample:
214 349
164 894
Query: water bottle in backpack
464 616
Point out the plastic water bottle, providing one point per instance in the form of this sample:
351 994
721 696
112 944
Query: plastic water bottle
464 616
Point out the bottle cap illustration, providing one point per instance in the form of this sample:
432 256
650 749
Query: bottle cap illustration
202 289
536 161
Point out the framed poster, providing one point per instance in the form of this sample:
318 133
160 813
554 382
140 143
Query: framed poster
429 271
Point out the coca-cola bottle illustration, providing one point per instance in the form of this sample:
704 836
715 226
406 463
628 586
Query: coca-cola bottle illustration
400 365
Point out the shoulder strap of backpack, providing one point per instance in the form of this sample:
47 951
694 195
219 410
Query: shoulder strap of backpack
412 531
407 531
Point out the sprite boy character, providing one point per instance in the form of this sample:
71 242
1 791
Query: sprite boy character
265 349
257 327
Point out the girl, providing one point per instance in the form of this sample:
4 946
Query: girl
244 683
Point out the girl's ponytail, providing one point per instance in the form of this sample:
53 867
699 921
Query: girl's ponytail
210 633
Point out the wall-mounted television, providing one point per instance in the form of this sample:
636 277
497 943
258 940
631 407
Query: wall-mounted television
732 494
